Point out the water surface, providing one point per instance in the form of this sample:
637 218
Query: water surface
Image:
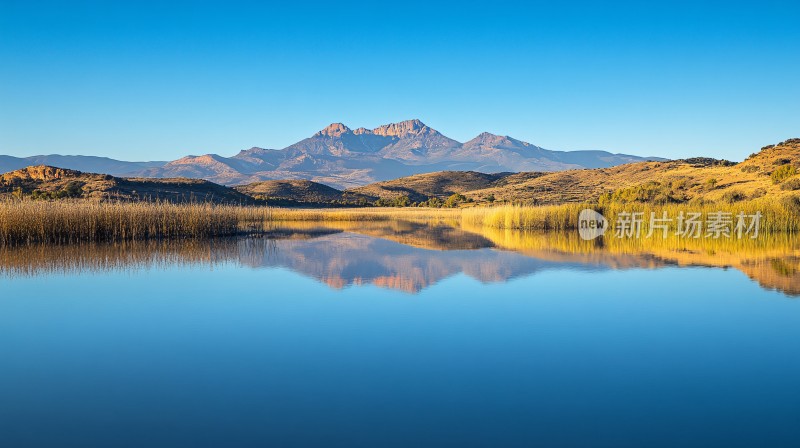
399 334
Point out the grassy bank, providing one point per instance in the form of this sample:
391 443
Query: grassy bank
778 215
547 217
73 221
78 221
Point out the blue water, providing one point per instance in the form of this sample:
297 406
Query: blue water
263 352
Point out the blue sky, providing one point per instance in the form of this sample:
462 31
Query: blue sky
156 81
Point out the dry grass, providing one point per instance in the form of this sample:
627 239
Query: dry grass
63 222
548 217
778 215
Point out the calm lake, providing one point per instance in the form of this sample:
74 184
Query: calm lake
400 334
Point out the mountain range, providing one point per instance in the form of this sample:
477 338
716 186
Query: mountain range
773 172
344 158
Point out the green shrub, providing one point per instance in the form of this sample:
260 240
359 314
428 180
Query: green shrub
432 202
783 173
454 200
648 193
400 201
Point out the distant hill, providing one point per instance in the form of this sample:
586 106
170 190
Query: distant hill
346 158
421 187
47 182
299 191
87 164
666 181
660 181
418 188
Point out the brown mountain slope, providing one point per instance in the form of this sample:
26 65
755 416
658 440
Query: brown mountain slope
47 182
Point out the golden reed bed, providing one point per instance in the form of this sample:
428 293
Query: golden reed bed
64 222
778 215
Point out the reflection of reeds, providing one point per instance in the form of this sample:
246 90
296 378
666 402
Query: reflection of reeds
365 214
60 222
772 259
38 259
427 235
772 244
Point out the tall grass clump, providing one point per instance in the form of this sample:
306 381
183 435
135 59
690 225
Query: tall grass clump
64 222
547 217
777 214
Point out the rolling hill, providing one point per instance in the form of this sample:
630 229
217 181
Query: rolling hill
48 182
421 187
666 181
87 164
292 191
684 180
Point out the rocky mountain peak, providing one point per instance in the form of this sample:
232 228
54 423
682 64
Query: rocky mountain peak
333 130
403 128
487 138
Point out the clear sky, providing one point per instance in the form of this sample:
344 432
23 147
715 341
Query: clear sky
156 81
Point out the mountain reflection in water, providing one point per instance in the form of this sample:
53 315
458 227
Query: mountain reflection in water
410 256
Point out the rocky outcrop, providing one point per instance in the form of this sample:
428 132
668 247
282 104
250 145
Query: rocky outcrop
403 129
42 173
